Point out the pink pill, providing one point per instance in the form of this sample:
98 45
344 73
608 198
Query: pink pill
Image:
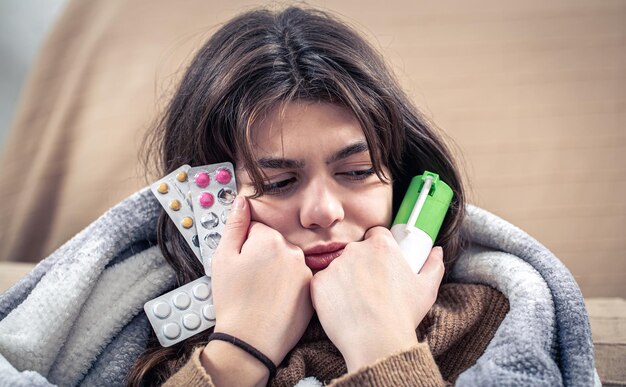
223 176
202 179
206 200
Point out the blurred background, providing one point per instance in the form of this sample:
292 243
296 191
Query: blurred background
23 26
531 94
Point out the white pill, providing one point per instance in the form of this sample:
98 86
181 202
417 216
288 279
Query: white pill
201 291
182 301
191 321
171 330
161 309
208 312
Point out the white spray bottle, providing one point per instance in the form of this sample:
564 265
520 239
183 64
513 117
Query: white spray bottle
420 216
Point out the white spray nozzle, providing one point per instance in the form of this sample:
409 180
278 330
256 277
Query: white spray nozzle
421 199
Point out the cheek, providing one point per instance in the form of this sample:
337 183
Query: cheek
278 215
373 208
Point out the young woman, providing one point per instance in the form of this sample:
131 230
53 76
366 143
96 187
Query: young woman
325 144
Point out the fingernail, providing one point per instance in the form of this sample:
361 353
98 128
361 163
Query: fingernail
239 202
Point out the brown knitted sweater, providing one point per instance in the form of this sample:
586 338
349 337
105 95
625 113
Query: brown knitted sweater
451 337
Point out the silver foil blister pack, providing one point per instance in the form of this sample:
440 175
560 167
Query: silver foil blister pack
213 190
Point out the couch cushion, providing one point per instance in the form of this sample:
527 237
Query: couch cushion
608 327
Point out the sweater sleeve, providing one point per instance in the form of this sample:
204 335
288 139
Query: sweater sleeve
191 374
414 367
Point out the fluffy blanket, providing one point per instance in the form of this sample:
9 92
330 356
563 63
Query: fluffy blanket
77 318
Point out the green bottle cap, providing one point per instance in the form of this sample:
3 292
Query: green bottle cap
435 207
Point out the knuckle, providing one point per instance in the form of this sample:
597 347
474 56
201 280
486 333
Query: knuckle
383 241
255 227
263 232
296 252
273 238
384 231
441 267
379 231
349 247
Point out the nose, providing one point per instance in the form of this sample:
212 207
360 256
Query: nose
322 205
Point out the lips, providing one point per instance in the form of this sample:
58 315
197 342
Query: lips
320 256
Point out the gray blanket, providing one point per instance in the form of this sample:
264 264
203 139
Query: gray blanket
77 318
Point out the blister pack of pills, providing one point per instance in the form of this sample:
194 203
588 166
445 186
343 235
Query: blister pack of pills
213 190
183 312
173 193
198 200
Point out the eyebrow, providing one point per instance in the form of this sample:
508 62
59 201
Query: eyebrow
343 153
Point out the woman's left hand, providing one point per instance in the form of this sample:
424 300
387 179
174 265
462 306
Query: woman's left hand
368 300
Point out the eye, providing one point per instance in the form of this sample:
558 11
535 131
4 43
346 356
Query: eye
360 174
278 187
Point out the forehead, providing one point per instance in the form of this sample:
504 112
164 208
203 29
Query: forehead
304 125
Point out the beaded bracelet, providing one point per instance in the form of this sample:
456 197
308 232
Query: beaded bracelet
248 348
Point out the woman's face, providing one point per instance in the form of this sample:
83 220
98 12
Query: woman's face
321 191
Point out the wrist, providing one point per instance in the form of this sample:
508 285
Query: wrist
264 342
249 349
377 347
230 365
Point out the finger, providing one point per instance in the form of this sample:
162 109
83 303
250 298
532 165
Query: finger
376 231
236 228
257 230
265 232
434 267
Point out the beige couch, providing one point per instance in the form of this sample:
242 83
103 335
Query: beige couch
531 93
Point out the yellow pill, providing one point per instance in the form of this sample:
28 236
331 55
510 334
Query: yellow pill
187 222
163 188
175 205
182 176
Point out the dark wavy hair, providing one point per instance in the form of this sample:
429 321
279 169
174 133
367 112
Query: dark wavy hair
254 63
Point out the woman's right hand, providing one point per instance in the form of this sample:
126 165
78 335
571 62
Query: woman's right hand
260 285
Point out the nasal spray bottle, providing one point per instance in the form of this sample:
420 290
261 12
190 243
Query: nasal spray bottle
420 216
